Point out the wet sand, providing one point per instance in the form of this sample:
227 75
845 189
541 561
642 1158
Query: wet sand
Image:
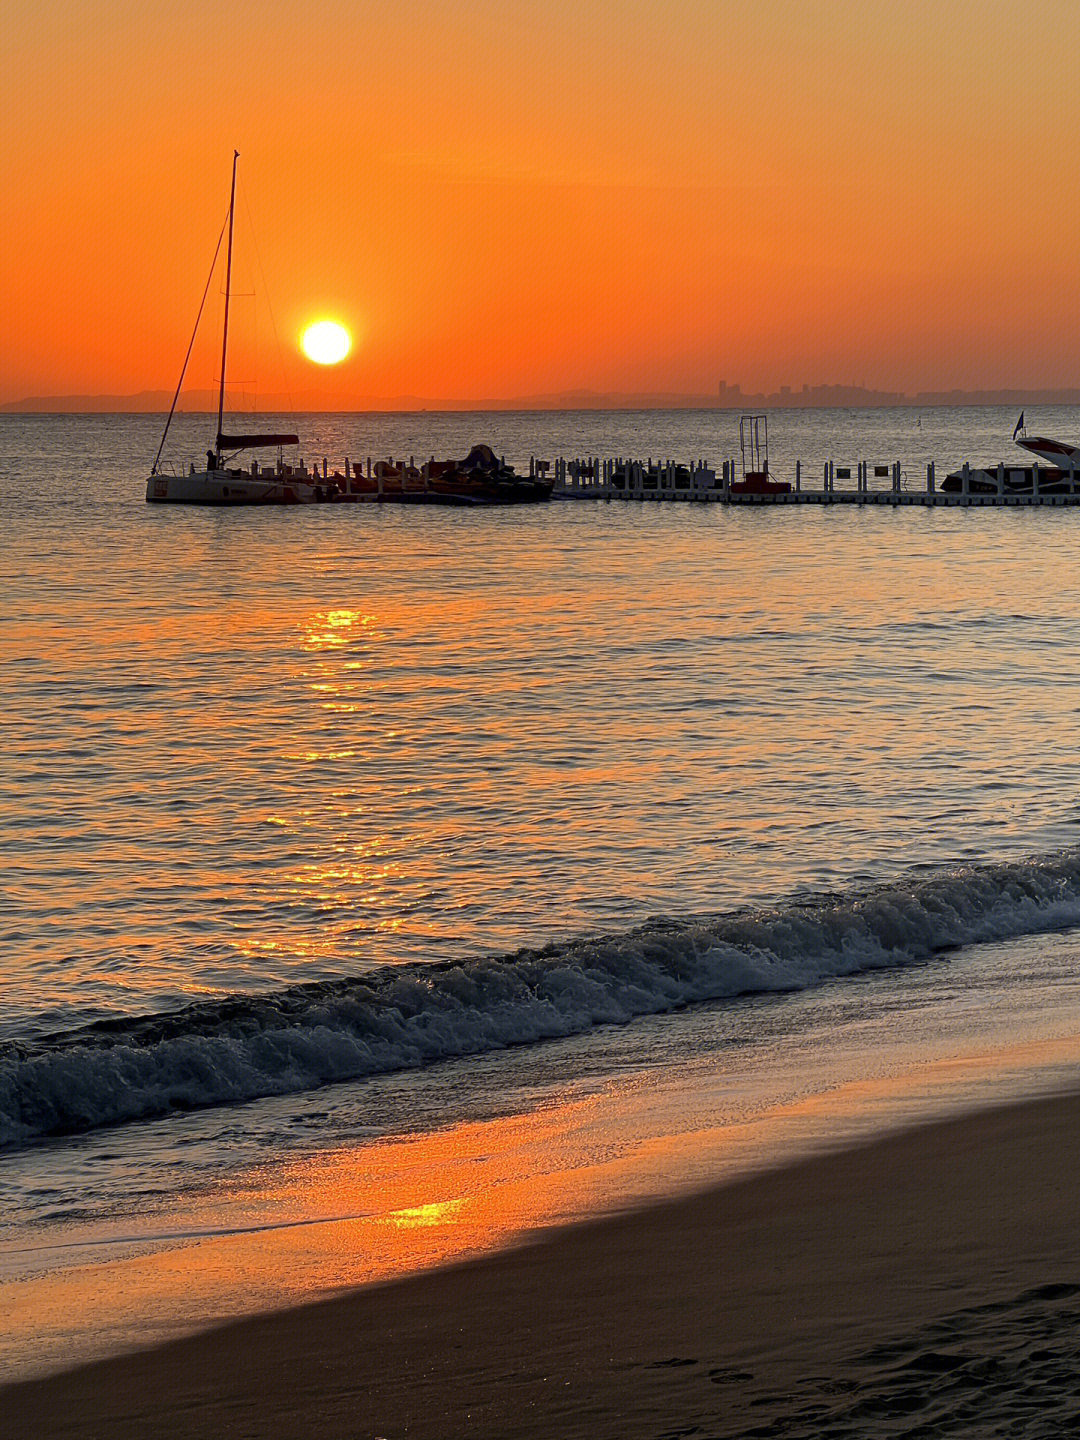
925 1285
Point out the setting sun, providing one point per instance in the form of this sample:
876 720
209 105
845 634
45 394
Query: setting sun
326 342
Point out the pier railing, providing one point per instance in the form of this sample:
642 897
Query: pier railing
861 482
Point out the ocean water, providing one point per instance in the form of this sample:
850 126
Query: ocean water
344 823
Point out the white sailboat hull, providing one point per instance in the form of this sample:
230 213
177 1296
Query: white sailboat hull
222 487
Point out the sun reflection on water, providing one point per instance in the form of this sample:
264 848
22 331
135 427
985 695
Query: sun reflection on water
333 629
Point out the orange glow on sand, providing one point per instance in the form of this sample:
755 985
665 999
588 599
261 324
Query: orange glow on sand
399 1205
515 200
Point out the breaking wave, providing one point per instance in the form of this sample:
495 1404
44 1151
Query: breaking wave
242 1047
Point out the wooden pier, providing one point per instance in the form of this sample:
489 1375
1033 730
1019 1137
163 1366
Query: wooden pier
862 483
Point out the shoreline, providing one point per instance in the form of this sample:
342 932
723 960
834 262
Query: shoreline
786 1298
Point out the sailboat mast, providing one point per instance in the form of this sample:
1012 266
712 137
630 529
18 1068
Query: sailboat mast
228 287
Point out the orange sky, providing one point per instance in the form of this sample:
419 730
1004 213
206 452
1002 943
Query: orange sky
512 197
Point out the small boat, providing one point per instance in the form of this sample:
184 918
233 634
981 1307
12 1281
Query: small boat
220 481
1059 476
480 479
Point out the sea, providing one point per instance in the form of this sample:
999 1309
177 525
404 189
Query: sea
388 884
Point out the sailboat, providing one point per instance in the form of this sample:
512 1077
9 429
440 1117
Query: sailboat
220 481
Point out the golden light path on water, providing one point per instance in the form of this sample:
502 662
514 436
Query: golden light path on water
376 737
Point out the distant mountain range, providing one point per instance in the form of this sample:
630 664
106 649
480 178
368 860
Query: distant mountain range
729 397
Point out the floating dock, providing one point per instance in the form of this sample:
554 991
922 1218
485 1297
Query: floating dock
862 483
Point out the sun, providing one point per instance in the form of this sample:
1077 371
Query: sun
326 342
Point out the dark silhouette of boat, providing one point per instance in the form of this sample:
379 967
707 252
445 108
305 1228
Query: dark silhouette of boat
480 479
1058 475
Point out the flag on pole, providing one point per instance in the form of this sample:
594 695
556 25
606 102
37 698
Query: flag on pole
1019 425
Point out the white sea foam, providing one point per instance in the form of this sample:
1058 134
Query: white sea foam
302 1037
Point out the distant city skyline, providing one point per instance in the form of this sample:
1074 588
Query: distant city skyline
727 397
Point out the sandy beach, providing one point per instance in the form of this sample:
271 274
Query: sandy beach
926 1284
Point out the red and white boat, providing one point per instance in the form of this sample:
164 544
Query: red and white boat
1056 469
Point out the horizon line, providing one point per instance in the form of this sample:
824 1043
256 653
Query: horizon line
823 396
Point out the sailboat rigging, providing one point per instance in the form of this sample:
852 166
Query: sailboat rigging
220 483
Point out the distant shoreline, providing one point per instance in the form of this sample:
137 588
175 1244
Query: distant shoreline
821 397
